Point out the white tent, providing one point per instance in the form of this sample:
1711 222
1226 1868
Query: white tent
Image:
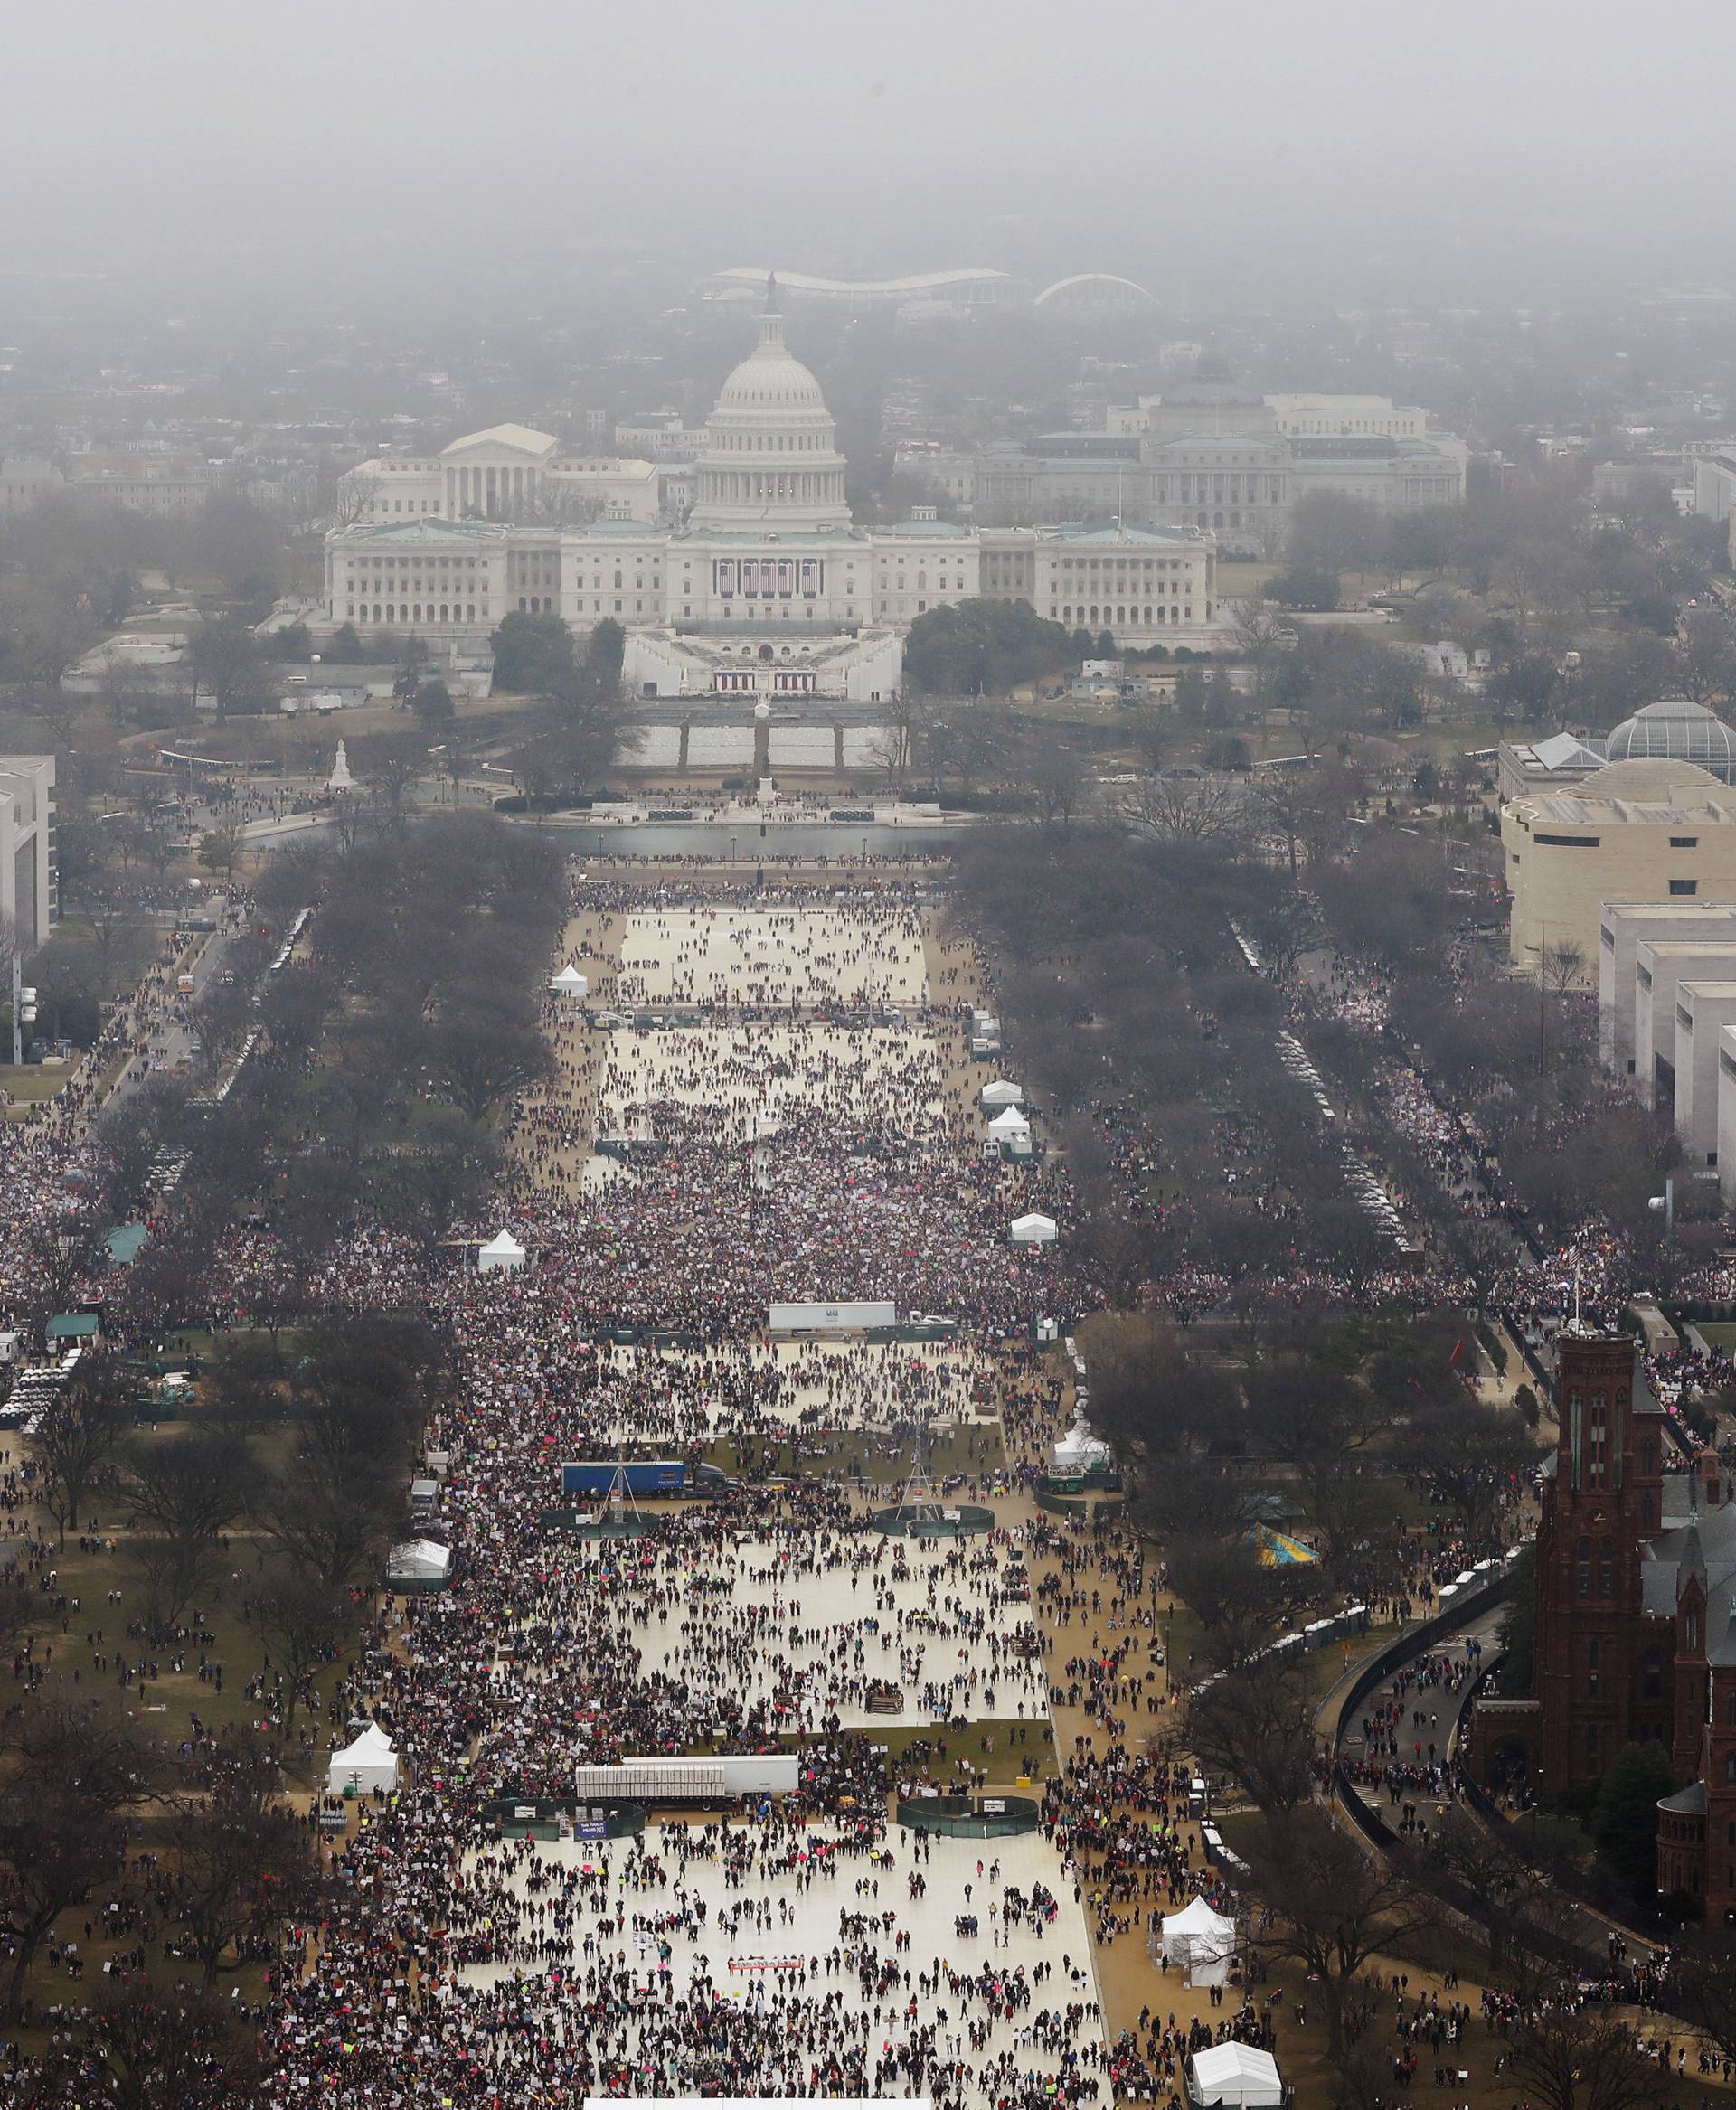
1008 1124
1202 1942
1235 2073
1000 1093
368 1763
503 1251
570 982
1034 1230
418 1564
1081 1451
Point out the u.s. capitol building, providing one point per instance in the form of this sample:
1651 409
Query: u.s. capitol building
765 585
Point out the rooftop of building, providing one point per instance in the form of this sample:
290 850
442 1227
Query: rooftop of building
1087 285
1652 791
521 439
1562 752
1698 1541
754 275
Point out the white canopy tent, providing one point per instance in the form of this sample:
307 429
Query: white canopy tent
1081 1451
368 1763
1034 1230
418 1564
1202 1942
570 982
1000 1093
503 1251
1008 1124
1235 2073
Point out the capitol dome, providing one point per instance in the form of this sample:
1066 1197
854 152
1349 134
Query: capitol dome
770 460
1677 730
770 378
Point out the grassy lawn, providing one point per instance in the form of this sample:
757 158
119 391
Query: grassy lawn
30 1084
988 1745
1240 576
1717 1335
167 1703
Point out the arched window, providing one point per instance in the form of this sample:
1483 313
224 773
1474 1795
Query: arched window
1651 1674
1607 1568
1585 1568
1730 1770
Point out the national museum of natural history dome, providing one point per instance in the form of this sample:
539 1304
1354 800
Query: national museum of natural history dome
742 573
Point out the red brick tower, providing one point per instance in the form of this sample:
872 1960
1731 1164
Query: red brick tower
1606 1499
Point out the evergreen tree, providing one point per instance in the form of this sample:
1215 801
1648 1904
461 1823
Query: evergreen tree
1623 1823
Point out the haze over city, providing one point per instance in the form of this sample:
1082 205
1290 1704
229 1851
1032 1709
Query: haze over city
1542 150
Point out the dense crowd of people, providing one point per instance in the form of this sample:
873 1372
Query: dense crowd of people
797 1149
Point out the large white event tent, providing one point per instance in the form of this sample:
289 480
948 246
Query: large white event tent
368 1763
1202 1942
1009 1124
419 1564
1235 2073
503 1251
1081 1450
1000 1093
570 982
1034 1230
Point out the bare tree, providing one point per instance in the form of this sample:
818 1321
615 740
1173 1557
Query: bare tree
1196 809
220 848
356 490
1259 636
243 1867
1586 2058
171 2049
302 1620
77 1439
1256 1725
1334 1908
68 1775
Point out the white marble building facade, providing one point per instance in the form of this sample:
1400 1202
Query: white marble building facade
500 523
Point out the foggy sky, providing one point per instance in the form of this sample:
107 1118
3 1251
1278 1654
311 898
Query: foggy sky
1333 144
